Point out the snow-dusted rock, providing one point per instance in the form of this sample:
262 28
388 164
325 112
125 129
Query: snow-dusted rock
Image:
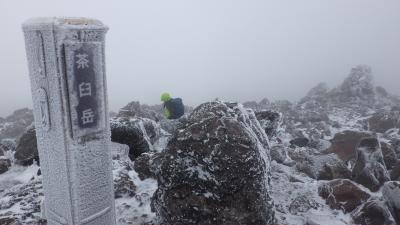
7 145
299 142
27 152
125 131
135 109
4 165
323 167
15 124
269 121
146 165
391 193
395 173
359 83
389 155
373 212
384 120
279 153
119 151
344 144
343 194
215 170
369 169
123 185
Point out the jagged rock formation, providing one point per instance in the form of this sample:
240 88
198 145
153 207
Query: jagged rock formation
215 170
27 152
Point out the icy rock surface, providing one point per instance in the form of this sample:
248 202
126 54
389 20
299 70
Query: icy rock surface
140 134
370 169
391 193
343 194
373 212
27 152
344 144
215 170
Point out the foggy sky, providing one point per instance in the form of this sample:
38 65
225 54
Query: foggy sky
231 49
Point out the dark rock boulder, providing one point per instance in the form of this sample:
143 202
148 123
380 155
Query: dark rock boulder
391 193
4 165
369 169
124 131
299 142
269 121
27 152
373 212
215 170
344 144
343 194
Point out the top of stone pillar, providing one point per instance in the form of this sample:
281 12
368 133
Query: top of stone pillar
44 23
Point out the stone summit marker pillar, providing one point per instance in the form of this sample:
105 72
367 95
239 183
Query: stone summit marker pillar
67 73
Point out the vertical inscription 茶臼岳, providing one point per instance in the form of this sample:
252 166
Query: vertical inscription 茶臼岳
85 81
85 86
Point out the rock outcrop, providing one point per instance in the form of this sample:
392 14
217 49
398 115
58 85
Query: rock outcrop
215 170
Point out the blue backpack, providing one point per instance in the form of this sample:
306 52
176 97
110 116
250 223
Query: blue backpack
176 108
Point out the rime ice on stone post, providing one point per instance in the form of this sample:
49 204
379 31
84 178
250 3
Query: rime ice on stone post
67 72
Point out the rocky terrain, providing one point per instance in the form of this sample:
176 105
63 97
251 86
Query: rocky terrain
332 158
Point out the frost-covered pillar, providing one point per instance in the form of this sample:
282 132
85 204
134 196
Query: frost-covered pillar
67 72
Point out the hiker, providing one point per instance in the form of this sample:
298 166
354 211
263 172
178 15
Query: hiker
173 107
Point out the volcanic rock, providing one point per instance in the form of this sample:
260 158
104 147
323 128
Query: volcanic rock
215 170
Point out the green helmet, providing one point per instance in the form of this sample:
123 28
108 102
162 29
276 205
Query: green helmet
165 97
